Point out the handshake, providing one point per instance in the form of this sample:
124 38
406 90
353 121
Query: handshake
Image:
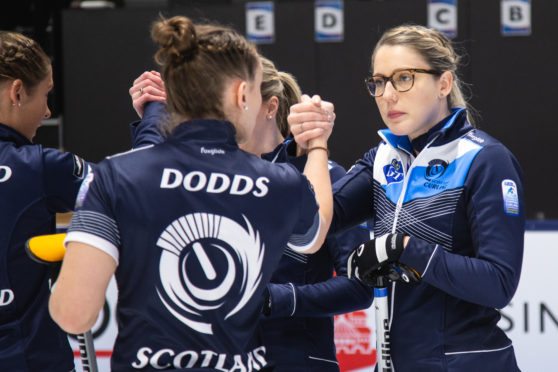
374 262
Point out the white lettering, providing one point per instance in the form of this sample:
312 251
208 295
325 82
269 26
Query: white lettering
165 180
237 180
203 150
213 180
164 358
238 365
208 355
177 362
6 297
201 182
262 187
251 363
143 358
5 173
259 354
154 361
216 183
221 363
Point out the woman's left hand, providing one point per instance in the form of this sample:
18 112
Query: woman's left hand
311 120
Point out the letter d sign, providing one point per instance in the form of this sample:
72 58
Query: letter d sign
6 297
515 17
328 21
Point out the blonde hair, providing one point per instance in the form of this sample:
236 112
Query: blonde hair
196 61
283 86
22 58
437 51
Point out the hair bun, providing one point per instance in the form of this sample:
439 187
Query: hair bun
176 38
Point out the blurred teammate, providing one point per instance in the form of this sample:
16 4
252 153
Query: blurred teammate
35 184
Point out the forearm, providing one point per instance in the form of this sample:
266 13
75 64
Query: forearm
317 172
487 282
334 296
79 293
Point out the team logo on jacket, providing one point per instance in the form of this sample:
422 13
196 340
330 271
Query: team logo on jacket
5 173
511 199
394 171
208 262
435 169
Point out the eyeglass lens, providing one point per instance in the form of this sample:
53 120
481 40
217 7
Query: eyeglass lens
402 81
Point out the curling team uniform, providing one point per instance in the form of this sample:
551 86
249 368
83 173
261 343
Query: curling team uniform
35 184
197 227
461 201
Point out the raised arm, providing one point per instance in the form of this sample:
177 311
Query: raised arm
314 114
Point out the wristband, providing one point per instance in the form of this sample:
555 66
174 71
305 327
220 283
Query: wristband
318 148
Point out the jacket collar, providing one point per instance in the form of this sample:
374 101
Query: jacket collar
212 130
449 128
10 134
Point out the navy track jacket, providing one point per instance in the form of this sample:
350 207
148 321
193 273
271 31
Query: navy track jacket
35 184
197 227
461 201
305 295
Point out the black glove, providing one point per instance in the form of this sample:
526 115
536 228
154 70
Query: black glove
404 273
372 259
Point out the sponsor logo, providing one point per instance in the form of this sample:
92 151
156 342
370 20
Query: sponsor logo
203 150
385 347
5 173
208 262
354 340
6 297
394 171
474 138
511 199
84 188
215 183
166 358
79 167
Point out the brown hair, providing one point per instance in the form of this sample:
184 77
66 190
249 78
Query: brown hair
22 58
196 61
283 86
438 52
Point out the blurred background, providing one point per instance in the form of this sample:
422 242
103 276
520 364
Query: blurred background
99 47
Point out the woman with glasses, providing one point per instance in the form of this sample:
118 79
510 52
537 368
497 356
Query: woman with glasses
448 210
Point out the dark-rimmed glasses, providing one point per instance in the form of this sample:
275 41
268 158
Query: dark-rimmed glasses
402 80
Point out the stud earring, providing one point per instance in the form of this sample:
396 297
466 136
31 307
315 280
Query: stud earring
442 95
245 108
270 117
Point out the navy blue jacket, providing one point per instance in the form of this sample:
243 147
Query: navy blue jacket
461 201
35 184
195 256
305 295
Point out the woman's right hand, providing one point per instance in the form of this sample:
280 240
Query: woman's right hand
148 87
311 121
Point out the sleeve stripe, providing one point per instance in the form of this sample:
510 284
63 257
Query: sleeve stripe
302 242
94 241
96 224
430 259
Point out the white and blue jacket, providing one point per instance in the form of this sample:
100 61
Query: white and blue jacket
461 201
